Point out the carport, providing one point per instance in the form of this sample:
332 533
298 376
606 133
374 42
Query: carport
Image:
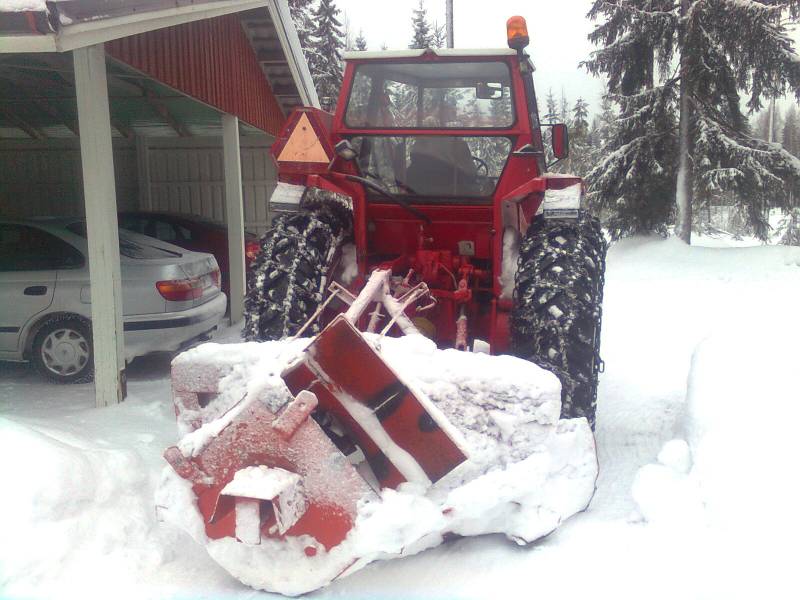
113 105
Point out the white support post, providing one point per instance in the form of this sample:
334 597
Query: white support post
100 199
234 213
143 171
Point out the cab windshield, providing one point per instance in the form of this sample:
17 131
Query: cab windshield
434 96
433 165
431 96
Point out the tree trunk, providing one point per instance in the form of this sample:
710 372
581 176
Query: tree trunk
684 191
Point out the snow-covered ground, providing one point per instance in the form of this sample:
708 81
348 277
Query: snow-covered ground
696 435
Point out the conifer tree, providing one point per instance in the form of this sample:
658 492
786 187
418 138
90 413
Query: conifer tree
361 41
301 11
422 35
325 62
689 62
438 36
632 186
789 228
563 112
551 116
580 118
580 143
790 136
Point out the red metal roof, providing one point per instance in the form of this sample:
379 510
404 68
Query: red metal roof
210 60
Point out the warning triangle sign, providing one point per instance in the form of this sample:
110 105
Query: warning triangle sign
303 145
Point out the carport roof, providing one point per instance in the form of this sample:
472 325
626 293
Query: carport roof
37 100
62 25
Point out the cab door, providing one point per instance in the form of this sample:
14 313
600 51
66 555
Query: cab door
29 262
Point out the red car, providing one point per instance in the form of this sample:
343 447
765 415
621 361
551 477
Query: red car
193 233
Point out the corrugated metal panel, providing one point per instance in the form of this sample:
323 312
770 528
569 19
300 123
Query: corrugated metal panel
191 181
209 60
44 178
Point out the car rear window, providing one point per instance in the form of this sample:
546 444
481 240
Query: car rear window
128 246
24 248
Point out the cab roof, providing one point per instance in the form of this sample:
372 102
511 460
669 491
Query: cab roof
415 53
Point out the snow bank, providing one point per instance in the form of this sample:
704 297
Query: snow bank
22 5
72 506
527 471
734 483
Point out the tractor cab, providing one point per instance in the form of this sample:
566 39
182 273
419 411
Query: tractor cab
433 126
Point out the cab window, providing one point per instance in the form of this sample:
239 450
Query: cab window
437 95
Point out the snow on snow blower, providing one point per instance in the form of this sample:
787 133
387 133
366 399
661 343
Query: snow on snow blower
423 225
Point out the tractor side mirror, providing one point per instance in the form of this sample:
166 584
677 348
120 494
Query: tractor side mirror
560 139
345 150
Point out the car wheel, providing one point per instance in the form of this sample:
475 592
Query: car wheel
62 351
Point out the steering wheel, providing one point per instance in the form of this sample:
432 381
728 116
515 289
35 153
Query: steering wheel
481 164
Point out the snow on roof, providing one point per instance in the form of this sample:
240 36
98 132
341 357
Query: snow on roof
22 5
415 53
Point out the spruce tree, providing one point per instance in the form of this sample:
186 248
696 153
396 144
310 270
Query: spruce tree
551 116
580 118
632 186
422 35
580 157
563 112
692 59
325 62
361 41
789 228
438 36
301 16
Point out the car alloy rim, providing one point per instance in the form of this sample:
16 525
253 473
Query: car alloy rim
65 352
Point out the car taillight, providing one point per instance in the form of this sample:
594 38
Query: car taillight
215 277
180 289
250 252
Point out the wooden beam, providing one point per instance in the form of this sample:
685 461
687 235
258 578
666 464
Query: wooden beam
165 114
100 198
234 213
56 115
161 108
19 123
68 78
123 129
272 57
284 90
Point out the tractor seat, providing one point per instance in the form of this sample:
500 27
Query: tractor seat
441 166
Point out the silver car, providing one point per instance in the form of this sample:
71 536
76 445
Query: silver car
171 296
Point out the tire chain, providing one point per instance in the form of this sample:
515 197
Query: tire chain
548 277
289 276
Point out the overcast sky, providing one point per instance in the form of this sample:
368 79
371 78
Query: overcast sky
557 29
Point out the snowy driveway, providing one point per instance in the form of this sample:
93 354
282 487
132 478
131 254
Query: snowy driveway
81 480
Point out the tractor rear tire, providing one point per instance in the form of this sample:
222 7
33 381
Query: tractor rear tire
557 311
290 273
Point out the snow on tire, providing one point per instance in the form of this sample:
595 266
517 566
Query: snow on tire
557 311
290 273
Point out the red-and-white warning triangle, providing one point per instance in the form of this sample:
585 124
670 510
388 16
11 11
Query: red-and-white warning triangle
303 145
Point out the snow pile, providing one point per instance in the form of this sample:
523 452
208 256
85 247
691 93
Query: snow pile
508 274
22 5
734 484
230 373
71 505
527 471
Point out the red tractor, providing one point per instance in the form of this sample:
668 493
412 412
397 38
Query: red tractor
422 206
433 167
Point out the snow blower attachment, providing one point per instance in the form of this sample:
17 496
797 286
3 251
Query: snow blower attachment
304 460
